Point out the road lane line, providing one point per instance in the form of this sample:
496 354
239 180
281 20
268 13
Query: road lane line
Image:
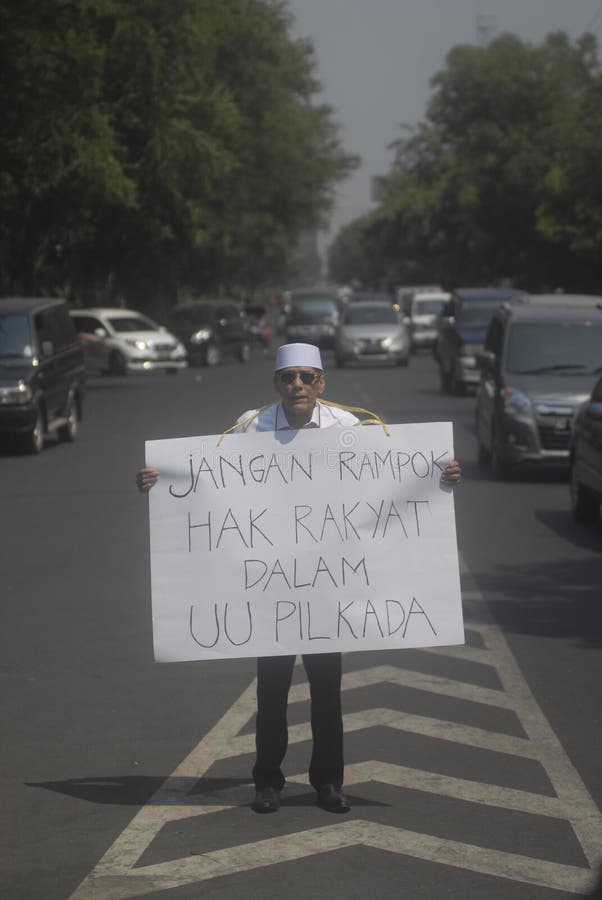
313 842
441 729
567 782
116 877
162 807
457 788
471 654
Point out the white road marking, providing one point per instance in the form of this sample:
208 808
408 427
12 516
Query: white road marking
116 877
290 847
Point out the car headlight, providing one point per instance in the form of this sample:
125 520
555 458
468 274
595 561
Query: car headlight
516 402
19 393
139 345
200 336
392 342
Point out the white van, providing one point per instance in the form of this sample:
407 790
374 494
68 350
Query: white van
425 310
120 341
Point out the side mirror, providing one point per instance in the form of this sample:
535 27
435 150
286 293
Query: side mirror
47 348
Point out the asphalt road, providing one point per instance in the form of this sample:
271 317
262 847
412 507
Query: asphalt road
473 773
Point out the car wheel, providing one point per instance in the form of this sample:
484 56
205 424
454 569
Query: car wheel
245 352
33 441
584 506
117 364
68 431
211 355
402 360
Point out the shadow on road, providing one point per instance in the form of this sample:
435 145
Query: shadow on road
136 790
555 598
560 521
597 892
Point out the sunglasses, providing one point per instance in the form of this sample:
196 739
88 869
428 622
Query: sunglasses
291 377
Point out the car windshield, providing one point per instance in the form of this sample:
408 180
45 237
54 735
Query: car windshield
428 307
535 348
313 309
15 336
132 323
371 315
476 313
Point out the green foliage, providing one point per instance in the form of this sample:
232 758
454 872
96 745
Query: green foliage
154 147
502 179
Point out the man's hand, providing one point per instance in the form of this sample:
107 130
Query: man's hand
451 473
145 479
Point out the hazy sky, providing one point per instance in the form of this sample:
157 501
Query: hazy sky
375 59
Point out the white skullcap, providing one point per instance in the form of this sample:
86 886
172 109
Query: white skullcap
297 355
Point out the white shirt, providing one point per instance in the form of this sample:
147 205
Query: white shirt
273 418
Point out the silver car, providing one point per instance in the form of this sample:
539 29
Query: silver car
119 341
374 332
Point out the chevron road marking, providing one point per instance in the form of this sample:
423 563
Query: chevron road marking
390 718
287 848
117 877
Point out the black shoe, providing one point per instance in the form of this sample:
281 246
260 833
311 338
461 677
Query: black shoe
267 800
332 798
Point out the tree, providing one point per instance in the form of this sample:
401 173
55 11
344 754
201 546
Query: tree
58 153
154 147
496 182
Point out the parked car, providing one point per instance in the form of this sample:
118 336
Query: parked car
122 341
424 317
41 372
462 329
211 330
585 459
540 359
373 332
312 318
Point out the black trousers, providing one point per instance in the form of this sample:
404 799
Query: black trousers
274 674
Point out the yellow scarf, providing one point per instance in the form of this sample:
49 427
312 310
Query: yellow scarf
373 419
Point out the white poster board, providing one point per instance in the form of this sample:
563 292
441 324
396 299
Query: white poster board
308 541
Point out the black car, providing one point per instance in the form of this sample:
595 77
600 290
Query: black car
41 372
586 459
538 365
312 317
462 329
211 330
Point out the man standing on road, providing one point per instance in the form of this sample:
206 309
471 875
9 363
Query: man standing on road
299 380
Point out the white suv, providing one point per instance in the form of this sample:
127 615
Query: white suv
118 341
